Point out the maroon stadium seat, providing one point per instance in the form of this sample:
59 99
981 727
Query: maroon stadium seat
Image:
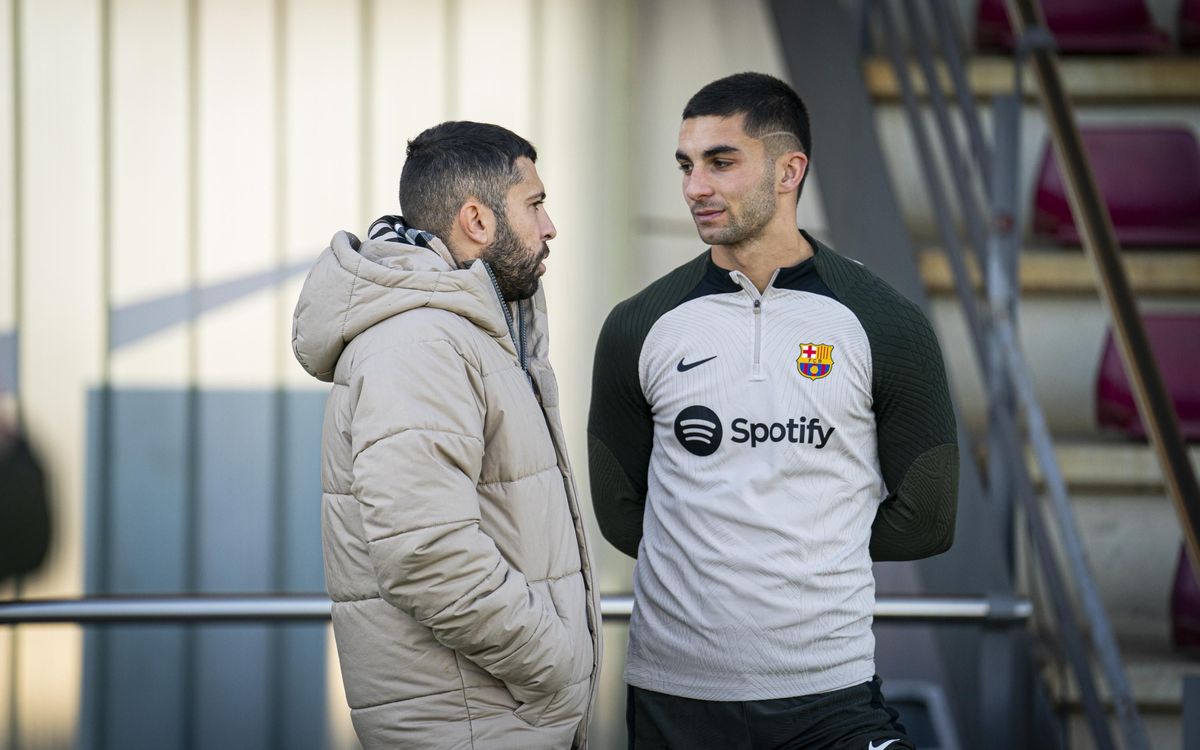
1149 177
1175 341
1079 26
1189 25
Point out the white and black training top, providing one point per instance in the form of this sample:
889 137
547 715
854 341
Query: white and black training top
755 452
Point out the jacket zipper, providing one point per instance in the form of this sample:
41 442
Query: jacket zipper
516 333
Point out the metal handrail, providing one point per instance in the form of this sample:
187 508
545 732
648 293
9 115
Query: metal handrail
1100 244
1154 404
993 611
995 344
982 330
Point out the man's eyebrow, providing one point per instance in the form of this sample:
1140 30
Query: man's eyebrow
718 150
538 196
709 152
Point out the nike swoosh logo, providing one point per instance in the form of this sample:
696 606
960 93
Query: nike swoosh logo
873 746
684 368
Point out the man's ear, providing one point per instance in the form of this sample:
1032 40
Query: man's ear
795 165
477 222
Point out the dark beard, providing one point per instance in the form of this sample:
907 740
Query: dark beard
514 265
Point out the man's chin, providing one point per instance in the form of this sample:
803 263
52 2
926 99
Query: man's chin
525 292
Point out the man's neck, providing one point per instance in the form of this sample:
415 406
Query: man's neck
779 246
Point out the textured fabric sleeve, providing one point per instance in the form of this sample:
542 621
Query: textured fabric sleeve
918 446
917 436
417 436
620 434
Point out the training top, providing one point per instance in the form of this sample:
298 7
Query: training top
755 453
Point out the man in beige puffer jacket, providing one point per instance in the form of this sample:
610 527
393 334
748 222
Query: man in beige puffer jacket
464 607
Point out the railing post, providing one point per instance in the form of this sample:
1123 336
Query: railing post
1002 295
1002 677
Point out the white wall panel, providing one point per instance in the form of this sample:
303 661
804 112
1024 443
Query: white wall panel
408 90
494 59
321 129
8 196
149 181
321 123
237 235
584 149
62 322
8 234
237 359
679 49
681 46
8 305
570 83
8 297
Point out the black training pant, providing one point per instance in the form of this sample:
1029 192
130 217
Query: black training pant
855 718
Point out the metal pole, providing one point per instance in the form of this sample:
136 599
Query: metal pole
933 183
1104 643
1069 634
958 171
1001 283
999 688
997 610
947 33
1073 637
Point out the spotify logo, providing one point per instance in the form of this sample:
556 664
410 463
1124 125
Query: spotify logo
698 429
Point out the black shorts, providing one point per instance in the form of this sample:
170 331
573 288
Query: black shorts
855 718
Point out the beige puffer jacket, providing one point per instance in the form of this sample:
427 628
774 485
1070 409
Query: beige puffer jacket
463 605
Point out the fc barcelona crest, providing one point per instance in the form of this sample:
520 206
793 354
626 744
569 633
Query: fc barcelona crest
815 360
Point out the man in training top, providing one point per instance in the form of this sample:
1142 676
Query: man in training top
766 420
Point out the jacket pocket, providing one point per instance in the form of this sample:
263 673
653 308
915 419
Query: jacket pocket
566 705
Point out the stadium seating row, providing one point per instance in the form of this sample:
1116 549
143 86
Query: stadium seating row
1089 27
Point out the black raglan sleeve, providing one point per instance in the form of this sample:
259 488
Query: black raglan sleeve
620 432
918 442
621 421
915 425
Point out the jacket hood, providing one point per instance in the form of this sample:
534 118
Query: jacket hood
353 286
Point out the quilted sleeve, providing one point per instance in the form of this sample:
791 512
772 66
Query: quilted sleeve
417 441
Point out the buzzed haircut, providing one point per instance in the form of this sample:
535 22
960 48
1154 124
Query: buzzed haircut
453 162
771 108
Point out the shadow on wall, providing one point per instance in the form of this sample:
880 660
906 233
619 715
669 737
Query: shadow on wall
207 491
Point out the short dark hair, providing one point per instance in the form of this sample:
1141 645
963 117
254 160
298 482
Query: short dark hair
452 162
769 105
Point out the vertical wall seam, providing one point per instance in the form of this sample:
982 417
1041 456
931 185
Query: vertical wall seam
450 62
191 441
18 205
366 108
14 652
278 563
537 76
104 432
